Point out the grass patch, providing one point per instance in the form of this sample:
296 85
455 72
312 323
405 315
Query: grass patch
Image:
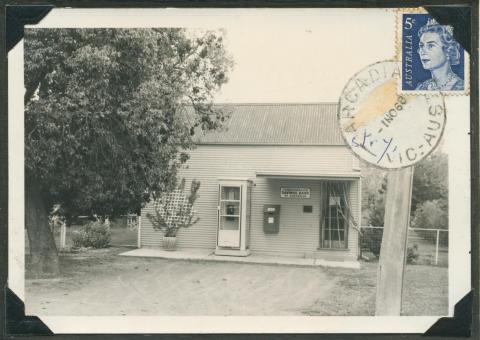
425 292
354 293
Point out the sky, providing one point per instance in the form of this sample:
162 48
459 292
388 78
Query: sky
307 57
280 55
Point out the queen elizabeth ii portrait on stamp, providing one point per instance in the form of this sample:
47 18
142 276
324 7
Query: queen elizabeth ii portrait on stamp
432 60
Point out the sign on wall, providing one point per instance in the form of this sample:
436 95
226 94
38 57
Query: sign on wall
294 192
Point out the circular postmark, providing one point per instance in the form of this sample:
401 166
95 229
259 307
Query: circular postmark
385 128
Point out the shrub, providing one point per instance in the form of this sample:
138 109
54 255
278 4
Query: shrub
174 210
372 240
94 234
412 254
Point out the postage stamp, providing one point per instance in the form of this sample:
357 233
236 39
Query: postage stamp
386 128
432 60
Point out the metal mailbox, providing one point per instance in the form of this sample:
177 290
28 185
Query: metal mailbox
271 218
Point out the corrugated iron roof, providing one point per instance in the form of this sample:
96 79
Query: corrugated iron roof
278 124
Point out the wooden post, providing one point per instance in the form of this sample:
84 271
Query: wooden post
63 235
436 246
394 242
139 236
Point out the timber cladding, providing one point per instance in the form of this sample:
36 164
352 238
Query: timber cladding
299 232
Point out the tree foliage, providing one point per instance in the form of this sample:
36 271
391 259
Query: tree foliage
109 113
429 192
374 186
430 180
431 215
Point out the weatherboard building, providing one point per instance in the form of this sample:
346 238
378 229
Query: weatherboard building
277 180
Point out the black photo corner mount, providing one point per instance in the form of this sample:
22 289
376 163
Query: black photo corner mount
17 323
457 17
19 16
460 325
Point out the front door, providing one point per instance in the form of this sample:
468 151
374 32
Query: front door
229 216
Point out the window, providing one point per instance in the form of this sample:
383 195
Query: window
334 230
229 207
307 208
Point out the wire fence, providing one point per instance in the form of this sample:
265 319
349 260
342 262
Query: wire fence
424 246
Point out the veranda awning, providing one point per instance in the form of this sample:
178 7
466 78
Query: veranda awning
337 176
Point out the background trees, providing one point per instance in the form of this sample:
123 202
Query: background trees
429 208
109 116
429 193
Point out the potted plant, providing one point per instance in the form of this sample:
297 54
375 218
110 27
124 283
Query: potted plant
174 210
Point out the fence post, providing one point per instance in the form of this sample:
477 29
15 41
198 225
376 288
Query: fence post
139 235
436 247
63 235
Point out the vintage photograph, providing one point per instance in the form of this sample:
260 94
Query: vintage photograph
202 170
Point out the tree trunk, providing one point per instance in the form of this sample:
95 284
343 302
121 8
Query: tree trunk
43 251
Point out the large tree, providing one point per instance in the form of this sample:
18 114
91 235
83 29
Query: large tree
109 116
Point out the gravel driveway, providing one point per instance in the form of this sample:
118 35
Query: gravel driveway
99 282
106 284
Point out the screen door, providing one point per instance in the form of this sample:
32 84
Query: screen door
229 217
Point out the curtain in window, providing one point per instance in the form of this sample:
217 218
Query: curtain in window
345 191
323 209
336 214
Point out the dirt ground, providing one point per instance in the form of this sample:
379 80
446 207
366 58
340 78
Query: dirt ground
98 282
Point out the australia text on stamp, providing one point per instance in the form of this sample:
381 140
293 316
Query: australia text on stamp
432 60
385 128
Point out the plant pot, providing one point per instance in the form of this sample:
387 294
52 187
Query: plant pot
169 243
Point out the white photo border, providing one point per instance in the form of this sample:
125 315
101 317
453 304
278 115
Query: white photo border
456 138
